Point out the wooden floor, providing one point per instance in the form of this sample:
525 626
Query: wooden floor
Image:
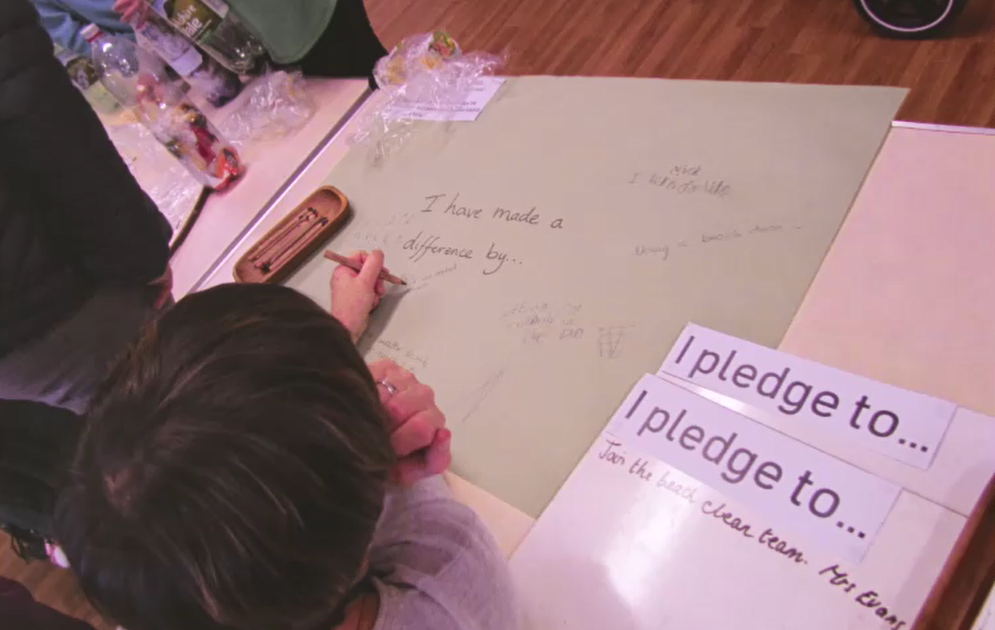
53 586
808 41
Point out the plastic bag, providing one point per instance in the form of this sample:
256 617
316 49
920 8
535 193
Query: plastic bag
161 176
272 106
428 68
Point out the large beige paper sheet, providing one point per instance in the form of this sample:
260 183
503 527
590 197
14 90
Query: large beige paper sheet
642 205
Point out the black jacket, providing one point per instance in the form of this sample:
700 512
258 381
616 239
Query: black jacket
19 609
72 217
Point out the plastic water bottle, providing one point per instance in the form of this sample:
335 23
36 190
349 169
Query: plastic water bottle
218 84
215 29
85 77
139 80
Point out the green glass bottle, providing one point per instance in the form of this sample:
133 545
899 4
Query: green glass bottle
216 30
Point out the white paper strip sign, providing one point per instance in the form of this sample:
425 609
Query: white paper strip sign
833 503
904 425
463 107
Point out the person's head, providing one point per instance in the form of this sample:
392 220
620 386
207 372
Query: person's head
232 469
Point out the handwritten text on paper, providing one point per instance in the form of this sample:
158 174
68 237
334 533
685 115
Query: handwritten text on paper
612 453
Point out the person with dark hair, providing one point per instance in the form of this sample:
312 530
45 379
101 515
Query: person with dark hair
239 471
84 261
84 253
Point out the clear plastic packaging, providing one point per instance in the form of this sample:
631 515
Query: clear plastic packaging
173 189
428 68
85 77
272 106
138 79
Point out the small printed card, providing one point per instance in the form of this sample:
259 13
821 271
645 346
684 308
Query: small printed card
903 425
464 110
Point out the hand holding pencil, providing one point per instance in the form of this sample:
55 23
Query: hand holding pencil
351 263
357 285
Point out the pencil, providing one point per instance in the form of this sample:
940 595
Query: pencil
342 260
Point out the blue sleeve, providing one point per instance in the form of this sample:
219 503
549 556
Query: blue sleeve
62 26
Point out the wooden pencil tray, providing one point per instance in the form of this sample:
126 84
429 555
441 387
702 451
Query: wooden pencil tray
295 238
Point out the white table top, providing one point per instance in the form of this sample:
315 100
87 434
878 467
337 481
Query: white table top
510 525
270 167
312 176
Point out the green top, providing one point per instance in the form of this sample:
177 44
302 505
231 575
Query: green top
288 28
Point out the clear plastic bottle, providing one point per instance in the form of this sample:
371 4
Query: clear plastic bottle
85 77
139 80
218 84
215 29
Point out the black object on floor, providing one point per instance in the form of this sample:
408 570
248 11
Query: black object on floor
909 19
37 443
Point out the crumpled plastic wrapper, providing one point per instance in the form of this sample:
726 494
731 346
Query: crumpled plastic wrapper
160 175
272 106
427 69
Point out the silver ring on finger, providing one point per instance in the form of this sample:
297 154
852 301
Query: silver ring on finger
386 385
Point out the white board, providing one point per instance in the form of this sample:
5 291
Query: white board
616 549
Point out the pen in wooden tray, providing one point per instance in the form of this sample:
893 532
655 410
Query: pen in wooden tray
295 238
280 236
291 246
342 260
267 256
